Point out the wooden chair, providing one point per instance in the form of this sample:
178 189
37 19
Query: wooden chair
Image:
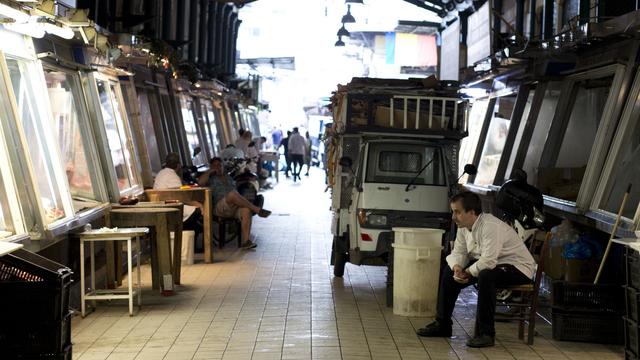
225 223
525 301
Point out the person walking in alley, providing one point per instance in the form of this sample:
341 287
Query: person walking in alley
488 252
285 144
297 148
227 202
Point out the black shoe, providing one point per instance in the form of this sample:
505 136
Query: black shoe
481 341
435 329
248 245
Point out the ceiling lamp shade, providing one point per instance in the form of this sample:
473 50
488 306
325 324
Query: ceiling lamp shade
348 18
354 2
339 42
343 32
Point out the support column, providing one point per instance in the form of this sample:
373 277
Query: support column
193 30
202 33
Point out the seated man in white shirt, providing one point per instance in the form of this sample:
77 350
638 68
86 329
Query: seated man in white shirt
488 252
168 178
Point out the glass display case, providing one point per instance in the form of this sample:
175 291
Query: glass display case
191 130
211 125
11 221
495 141
148 128
118 135
468 144
74 137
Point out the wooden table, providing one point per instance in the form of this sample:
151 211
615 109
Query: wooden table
118 256
272 156
161 219
201 194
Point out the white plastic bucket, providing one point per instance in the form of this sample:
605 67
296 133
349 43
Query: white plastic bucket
416 271
187 251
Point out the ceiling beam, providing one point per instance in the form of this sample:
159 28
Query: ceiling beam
427 5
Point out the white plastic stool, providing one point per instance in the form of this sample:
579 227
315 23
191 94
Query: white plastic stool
122 234
187 251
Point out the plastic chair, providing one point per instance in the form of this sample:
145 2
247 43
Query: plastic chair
525 303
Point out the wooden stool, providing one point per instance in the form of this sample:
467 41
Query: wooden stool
223 222
122 234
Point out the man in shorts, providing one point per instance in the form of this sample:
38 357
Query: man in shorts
228 202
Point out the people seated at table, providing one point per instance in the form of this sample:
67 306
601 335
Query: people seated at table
168 178
228 203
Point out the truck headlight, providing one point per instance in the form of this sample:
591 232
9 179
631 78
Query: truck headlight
377 220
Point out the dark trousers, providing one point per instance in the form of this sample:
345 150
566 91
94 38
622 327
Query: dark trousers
297 160
194 222
488 281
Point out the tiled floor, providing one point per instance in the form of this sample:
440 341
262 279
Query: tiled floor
281 301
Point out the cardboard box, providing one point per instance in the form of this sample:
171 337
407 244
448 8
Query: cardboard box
554 266
563 183
383 119
580 270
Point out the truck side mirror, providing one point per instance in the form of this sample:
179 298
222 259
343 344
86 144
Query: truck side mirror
346 161
470 169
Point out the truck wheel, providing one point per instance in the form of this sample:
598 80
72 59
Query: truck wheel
339 261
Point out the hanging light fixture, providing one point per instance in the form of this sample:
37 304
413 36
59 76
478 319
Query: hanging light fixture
339 42
354 2
348 18
344 32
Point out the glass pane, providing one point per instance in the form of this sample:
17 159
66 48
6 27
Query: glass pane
627 171
207 127
564 180
518 139
539 136
6 220
6 223
186 107
114 136
211 118
119 110
494 143
149 131
394 163
469 144
61 88
583 124
42 158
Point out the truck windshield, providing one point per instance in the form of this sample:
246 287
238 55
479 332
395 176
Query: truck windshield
400 163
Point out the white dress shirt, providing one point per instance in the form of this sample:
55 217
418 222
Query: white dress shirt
491 242
168 179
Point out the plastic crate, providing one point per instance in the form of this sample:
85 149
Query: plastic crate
33 287
633 299
31 339
34 306
631 337
587 326
633 268
585 296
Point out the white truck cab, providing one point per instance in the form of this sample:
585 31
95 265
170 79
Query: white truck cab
393 163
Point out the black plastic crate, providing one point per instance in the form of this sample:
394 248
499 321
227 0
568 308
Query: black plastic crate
631 337
633 268
33 287
35 339
587 326
586 296
633 299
